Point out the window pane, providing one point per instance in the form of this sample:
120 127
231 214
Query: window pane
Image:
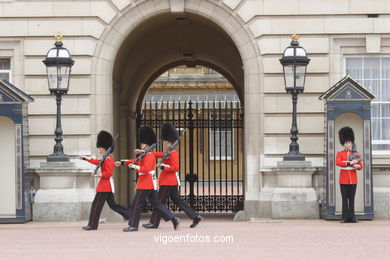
371 68
381 146
229 144
220 145
386 68
385 110
4 76
375 123
385 95
375 112
385 127
5 64
354 67
374 87
217 145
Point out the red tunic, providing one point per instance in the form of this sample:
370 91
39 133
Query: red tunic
346 176
107 169
168 175
147 164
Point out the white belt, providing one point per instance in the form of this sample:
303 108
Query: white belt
347 168
112 184
153 177
145 173
178 178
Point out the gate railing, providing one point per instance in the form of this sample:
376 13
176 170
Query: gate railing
211 168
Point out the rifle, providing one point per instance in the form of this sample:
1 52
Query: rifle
141 155
354 155
168 151
171 148
105 155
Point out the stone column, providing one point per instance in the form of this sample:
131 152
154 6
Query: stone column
294 197
65 193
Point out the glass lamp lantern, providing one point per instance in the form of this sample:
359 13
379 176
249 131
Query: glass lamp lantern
58 66
294 61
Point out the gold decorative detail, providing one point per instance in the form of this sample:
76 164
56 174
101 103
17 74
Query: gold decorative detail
294 37
58 37
348 94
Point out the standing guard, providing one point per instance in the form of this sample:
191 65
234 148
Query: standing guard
105 188
349 163
147 185
169 181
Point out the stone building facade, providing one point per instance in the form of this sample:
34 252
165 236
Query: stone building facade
121 46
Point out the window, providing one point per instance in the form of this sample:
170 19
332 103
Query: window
221 138
221 145
5 69
374 73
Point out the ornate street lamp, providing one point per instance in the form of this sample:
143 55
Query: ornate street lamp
294 63
58 66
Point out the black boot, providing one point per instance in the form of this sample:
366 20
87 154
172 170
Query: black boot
149 225
87 228
175 222
130 229
196 221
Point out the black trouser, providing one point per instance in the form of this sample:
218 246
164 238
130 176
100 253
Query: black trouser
139 200
97 206
348 192
172 192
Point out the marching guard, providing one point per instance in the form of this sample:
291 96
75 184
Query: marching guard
169 181
348 176
147 185
105 188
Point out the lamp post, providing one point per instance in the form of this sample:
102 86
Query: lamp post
294 61
58 66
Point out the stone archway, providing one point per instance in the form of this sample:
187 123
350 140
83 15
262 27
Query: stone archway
217 36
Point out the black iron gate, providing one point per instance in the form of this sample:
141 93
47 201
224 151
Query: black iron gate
210 149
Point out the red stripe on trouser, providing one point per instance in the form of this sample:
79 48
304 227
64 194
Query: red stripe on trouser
161 200
135 207
96 205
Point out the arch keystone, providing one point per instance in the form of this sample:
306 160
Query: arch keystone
177 6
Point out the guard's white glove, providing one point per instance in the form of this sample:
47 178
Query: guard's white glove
135 167
138 151
163 166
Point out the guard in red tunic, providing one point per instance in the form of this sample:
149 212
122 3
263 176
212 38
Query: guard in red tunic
169 180
105 188
147 184
348 176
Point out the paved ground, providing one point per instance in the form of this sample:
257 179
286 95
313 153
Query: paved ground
260 239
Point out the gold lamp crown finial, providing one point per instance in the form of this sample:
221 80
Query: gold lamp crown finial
295 37
58 37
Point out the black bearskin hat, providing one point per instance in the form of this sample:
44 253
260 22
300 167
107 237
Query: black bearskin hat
168 133
146 135
346 134
105 140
